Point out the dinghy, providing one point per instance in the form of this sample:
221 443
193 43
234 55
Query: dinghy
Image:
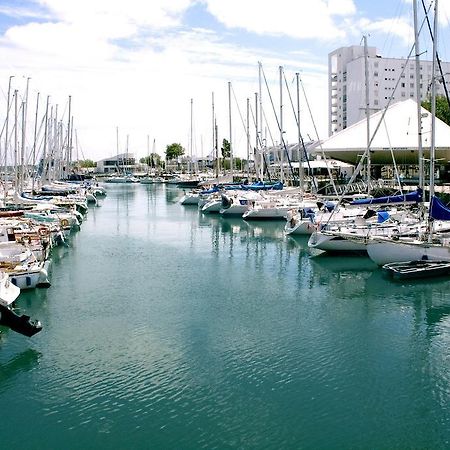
417 269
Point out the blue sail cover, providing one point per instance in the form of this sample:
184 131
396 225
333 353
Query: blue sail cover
382 216
438 210
414 197
262 186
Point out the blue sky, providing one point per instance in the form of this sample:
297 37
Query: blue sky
136 64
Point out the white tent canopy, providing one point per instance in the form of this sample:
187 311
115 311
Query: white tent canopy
397 133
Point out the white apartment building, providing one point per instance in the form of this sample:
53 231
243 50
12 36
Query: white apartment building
346 83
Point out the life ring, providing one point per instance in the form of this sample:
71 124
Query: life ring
64 223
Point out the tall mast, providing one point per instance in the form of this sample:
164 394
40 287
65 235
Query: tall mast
34 142
148 154
44 153
261 164
117 149
190 140
231 136
213 129
125 160
248 139
300 146
433 100
8 104
15 140
256 157
418 98
68 155
366 78
22 148
216 145
281 127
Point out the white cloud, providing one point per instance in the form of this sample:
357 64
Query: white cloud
299 19
135 65
143 86
399 27
98 13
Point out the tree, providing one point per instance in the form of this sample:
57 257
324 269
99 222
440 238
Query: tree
226 149
87 163
174 151
154 160
442 108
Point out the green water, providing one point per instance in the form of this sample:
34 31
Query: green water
165 329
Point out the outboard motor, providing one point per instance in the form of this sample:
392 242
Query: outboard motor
226 201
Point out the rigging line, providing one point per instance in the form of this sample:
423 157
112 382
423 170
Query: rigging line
437 55
268 128
318 138
364 156
279 127
259 139
305 154
239 109
397 176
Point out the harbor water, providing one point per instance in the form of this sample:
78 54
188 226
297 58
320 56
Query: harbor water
168 329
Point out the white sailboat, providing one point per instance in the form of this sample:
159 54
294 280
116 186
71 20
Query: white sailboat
429 245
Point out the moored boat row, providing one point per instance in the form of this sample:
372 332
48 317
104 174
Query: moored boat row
31 225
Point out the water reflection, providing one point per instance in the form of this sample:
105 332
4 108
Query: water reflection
173 193
22 362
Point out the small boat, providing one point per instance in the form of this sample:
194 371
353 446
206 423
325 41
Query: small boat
417 269
20 324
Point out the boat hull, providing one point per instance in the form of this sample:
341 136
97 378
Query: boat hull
388 251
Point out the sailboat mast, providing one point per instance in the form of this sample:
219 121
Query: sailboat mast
216 145
15 139
366 77
22 148
7 131
190 140
117 149
418 97
248 139
433 100
68 149
281 127
300 146
256 155
34 141
44 153
148 155
260 131
229 119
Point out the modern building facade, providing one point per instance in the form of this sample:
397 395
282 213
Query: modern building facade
124 163
346 83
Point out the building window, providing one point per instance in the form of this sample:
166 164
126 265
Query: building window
375 102
403 94
375 74
403 85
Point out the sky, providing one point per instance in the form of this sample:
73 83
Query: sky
149 69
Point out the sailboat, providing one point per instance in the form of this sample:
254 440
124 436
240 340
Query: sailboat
148 179
431 244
